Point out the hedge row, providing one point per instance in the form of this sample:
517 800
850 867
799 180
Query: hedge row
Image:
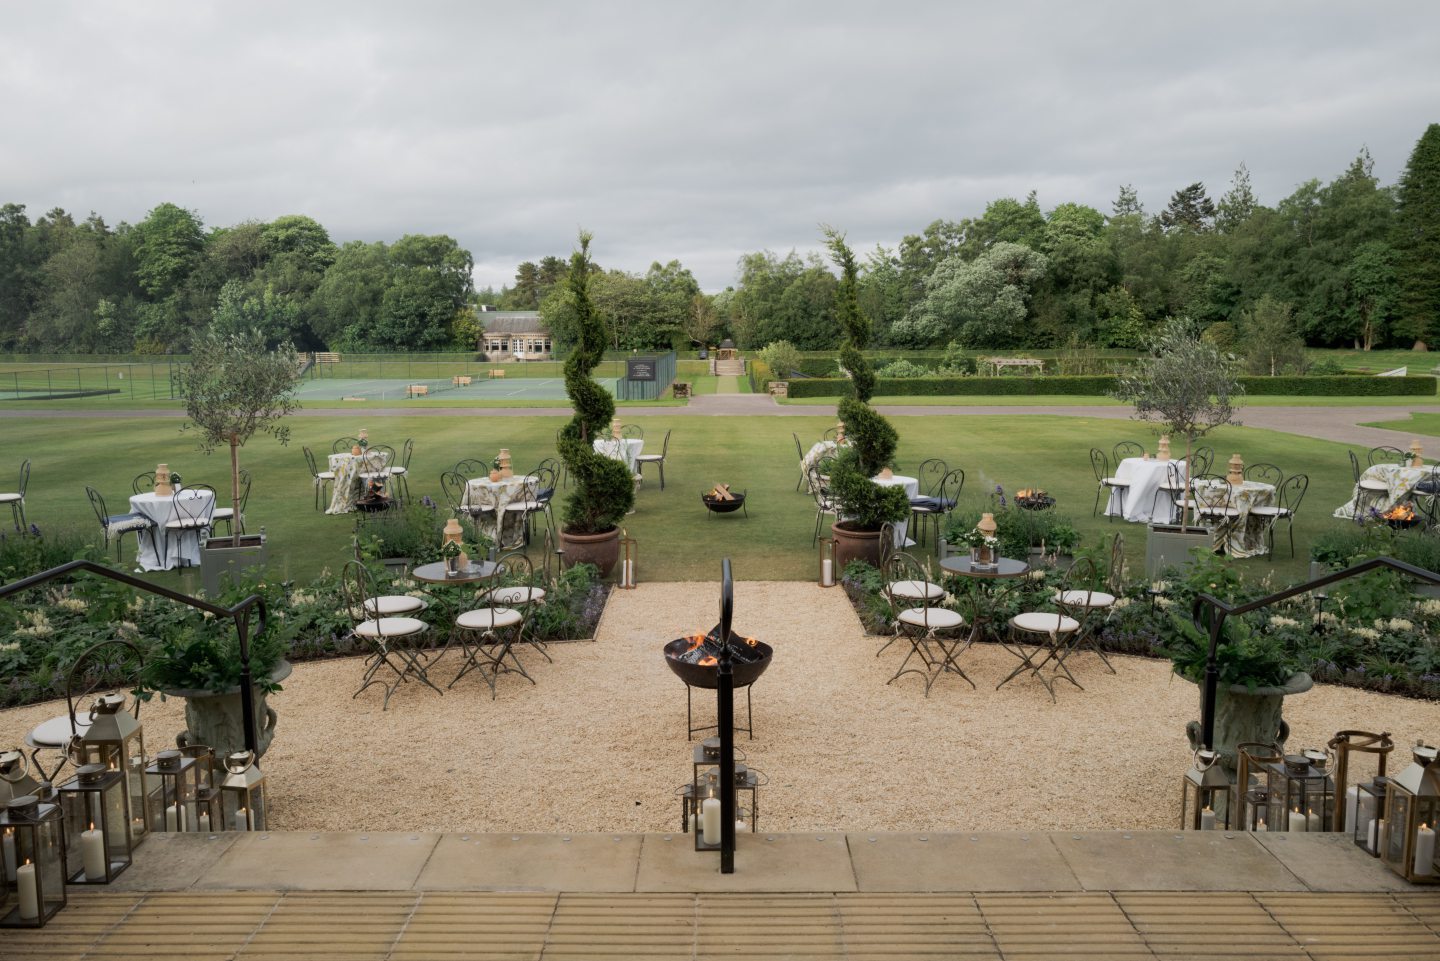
1104 384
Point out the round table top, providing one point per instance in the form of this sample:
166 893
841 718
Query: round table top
959 564
435 573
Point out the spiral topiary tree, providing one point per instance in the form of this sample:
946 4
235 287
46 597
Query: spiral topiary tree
604 490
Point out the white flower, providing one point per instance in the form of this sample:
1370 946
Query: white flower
1367 633
128 627
1429 607
1160 587
1327 618
1278 621
36 625
1164 602
1400 625
1120 604
948 600
300 598
12 646
1036 575
71 604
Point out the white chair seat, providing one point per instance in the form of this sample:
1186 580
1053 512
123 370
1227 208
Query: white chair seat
651 458
388 605
187 523
1268 511
1037 622
1369 485
57 731
325 475
482 620
7 498
517 595
222 512
522 506
1077 598
937 618
916 590
399 470
390 627
1218 511
1115 482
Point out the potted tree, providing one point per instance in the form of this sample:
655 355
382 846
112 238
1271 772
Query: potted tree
603 488
864 505
1187 387
235 388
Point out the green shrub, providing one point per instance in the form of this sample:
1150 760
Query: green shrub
1104 384
1340 386
902 368
782 357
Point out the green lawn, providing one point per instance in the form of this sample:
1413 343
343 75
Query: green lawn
1100 400
1427 424
678 540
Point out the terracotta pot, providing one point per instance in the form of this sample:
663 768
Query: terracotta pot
602 550
854 545
494 476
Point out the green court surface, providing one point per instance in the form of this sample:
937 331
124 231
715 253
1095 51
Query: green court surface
389 389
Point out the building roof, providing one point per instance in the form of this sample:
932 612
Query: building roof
513 322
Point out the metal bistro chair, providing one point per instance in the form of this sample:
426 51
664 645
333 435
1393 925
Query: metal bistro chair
632 432
143 483
1105 483
831 433
1388 455
395 641
1287 502
16 499
657 459
376 461
116 526
937 503
488 633
820 490
930 630
1172 488
923 591
189 512
1368 490
1053 633
552 466
226 515
1201 459
800 457
523 589
344 445
1083 599
530 504
1265 474
401 471
1126 448
318 478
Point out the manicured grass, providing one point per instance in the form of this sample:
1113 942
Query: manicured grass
677 539
1427 424
1419 362
1100 400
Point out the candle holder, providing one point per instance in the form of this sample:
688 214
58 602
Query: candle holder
1205 794
15 779
1301 792
35 834
705 786
1252 793
1412 806
116 739
242 794
1342 745
205 812
97 835
629 555
827 576
177 781
1367 826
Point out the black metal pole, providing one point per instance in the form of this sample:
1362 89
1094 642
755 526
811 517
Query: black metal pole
247 685
1212 682
725 719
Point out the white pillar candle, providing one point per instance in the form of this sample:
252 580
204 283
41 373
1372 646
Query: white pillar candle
1261 826
137 828
710 820
1352 807
92 853
9 844
1207 820
1312 820
1377 834
204 822
174 818
241 820
692 823
1297 821
1425 850
29 892
827 572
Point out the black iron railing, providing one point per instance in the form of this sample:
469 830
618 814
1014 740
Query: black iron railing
725 719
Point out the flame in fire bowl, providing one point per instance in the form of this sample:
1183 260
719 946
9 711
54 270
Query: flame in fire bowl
749 659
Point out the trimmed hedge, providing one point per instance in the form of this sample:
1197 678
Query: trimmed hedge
1094 386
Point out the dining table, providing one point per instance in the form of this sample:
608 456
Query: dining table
489 504
156 552
348 468
624 449
1145 475
1238 533
985 586
1400 485
912 491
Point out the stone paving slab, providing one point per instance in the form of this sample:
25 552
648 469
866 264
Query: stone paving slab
173 862
985 861
1173 861
298 861
1331 862
532 862
763 862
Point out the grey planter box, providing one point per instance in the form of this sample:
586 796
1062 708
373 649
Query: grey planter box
1169 545
219 562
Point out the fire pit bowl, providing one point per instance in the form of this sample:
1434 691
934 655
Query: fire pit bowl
1401 517
717 506
705 675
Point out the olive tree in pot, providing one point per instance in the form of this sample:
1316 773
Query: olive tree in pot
864 505
234 388
604 489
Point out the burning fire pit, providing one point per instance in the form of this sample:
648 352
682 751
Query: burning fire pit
1401 516
1034 499
694 661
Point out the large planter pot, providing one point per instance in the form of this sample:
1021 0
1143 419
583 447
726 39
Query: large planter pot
855 545
602 550
215 719
1169 545
1242 714
222 562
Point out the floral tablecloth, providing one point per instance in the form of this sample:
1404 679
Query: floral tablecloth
622 449
348 468
487 500
1145 477
1240 535
1399 486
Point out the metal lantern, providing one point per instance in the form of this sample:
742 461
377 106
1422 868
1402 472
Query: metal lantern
175 780
97 832
205 812
15 779
1252 793
1301 792
116 739
827 562
1343 745
1412 807
629 554
34 835
1367 825
705 786
242 794
1205 794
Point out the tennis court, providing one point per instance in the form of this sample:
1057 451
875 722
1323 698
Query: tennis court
391 389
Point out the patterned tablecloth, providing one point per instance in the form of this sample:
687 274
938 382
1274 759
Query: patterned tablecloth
1399 486
1145 477
184 548
621 449
487 500
821 448
1240 535
348 468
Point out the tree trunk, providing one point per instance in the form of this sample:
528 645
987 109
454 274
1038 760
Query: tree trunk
235 490
1189 482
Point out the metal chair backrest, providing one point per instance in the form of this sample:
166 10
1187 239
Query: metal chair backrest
1174 477
545 477
799 451
453 487
1202 459
406 450
887 545
831 433
665 446
1127 448
1265 473
632 432
1100 464
1084 576
343 445
950 487
1388 455
24 475
103 665
511 570
900 566
931 474
379 457
1292 492
1115 576
472 467
1215 501
310 462
1354 466
97 504
143 483
244 489
358 593
190 507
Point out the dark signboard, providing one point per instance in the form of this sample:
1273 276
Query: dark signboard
640 368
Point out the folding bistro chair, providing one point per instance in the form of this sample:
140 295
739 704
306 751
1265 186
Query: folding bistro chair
116 526
16 498
318 478
487 633
1105 483
395 640
1052 633
657 459
1287 502
1126 448
929 629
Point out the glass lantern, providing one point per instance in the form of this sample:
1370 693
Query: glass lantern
1412 805
35 833
205 812
242 794
15 779
97 832
175 786
116 739
629 555
1205 794
1251 790
1343 745
827 562
1366 823
1301 792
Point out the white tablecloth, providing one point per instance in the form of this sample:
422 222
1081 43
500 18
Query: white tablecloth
1145 477
487 500
348 468
1399 486
621 449
912 490
184 546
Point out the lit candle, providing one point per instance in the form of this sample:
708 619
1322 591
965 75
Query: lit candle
692 823
242 820
1377 835
137 827
175 818
1297 821
1261 826
1312 820
1207 820
629 575
710 820
204 822
1352 807
29 892
9 843
1425 850
92 853
827 572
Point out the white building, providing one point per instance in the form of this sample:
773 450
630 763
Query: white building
514 335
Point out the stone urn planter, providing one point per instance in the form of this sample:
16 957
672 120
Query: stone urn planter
1242 714
215 719
602 550
855 545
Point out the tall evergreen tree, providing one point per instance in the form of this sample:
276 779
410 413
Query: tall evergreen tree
1190 209
1417 241
1238 203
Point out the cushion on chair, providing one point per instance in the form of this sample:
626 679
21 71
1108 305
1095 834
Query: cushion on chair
517 595
1115 482
1039 623
325 475
544 494
651 458
481 620
399 470
931 504
1077 598
187 523
222 512
127 522
916 590
390 627
1269 511
7 498
1369 485
940 618
388 604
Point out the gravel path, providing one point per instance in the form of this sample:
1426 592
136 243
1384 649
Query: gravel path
599 744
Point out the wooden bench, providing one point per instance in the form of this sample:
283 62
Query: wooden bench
1027 364
780 388
327 357
417 390
496 374
680 389
460 380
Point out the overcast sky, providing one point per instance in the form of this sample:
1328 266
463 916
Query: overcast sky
689 131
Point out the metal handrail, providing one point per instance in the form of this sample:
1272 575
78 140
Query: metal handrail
240 614
725 721
1219 610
